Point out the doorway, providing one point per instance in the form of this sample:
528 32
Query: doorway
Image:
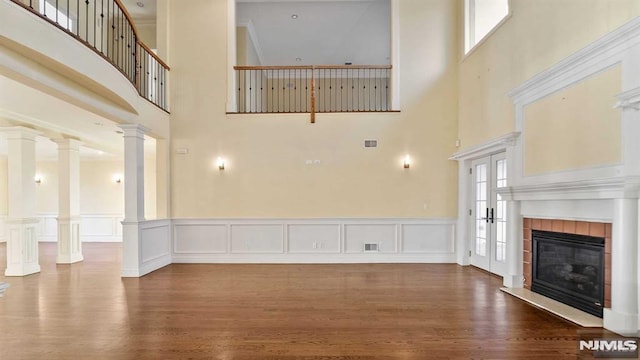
489 214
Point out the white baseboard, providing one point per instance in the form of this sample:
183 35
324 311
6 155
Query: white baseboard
320 259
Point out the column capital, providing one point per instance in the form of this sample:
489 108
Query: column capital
135 130
20 132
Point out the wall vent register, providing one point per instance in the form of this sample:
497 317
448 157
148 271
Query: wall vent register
371 143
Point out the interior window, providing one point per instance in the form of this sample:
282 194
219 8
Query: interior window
481 16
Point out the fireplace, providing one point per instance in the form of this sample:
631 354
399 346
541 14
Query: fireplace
569 268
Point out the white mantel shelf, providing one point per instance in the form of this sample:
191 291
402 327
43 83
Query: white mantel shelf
613 188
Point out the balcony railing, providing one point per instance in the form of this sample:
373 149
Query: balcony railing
313 89
106 27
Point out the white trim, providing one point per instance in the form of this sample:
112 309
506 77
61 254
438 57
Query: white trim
231 56
110 231
155 249
251 30
317 240
505 143
629 99
492 146
395 55
598 56
613 188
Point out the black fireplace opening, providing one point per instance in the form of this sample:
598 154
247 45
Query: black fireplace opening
569 268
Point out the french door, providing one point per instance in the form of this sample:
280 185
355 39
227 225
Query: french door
489 214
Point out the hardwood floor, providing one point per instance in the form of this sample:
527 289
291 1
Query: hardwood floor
86 311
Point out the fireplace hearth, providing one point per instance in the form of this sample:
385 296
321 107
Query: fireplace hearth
569 268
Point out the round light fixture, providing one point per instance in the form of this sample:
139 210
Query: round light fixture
140 4
294 16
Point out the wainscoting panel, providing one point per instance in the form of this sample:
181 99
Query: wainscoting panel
155 244
313 240
93 228
384 235
257 239
427 239
202 239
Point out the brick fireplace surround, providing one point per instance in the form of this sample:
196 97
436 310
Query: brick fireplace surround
597 229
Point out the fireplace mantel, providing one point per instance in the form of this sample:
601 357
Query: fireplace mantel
612 188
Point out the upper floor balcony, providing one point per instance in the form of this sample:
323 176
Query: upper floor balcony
106 27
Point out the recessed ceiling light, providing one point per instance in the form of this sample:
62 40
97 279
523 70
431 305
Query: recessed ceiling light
298 59
294 16
140 4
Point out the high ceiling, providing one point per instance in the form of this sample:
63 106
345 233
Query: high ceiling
146 11
325 32
318 32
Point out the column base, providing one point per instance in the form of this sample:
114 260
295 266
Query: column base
131 247
69 243
621 323
513 281
69 259
23 270
22 247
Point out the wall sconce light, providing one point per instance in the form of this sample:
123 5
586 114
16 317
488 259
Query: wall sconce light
38 179
117 178
220 163
406 163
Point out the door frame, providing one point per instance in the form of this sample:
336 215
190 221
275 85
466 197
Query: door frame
488 261
464 157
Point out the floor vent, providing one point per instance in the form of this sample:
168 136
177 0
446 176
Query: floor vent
371 247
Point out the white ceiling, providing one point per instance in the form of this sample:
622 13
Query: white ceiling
23 105
324 33
147 11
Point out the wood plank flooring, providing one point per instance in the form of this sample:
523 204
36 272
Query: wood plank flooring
414 311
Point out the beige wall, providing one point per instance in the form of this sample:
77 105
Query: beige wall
574 128
99 194
266 175
246 54
539 34
146 30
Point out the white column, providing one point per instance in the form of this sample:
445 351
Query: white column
69 243
514 276
133 199
22 238
623 315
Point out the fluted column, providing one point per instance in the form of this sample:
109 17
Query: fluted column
69 243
